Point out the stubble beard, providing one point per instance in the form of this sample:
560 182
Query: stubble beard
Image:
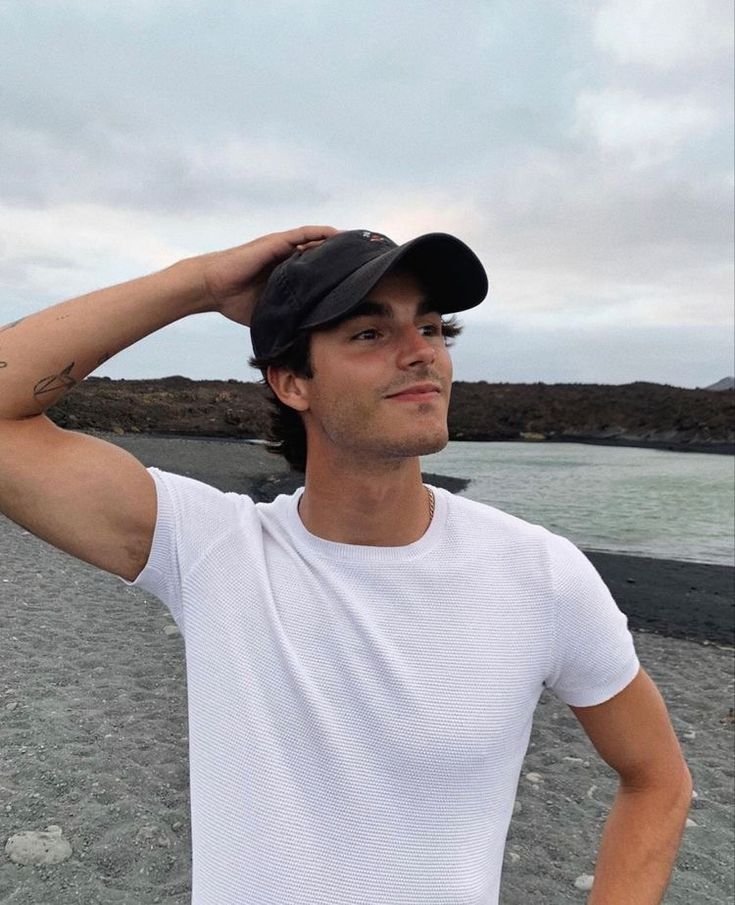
356 432
349 438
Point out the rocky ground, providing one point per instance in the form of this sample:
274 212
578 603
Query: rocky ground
93 724
641 414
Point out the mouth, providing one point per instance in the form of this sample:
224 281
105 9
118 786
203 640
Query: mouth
420 392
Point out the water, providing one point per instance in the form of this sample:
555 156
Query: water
626 500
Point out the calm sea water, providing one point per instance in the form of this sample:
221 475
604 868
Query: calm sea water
621 499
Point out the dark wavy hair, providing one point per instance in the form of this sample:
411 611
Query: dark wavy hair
287 434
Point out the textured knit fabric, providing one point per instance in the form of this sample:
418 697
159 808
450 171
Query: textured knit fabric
358 715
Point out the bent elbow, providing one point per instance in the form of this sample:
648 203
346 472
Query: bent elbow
673 781
687 781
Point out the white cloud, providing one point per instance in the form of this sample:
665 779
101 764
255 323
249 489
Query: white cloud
153 173
52 253
649 130
583 150
403 213
664 34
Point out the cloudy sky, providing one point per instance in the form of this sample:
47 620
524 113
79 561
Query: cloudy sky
583 149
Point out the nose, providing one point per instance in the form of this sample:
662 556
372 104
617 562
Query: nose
415 348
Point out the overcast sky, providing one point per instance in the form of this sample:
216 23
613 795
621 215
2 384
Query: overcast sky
583 149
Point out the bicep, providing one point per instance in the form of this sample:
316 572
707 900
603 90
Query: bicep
632 732
78 493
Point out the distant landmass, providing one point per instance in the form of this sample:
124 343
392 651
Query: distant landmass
727 383
635 414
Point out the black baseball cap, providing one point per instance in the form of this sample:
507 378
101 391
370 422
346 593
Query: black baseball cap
323 284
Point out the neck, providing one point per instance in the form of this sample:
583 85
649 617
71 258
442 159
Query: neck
372 504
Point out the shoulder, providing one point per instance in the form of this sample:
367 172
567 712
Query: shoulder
185 487
193 503
521 545
467 515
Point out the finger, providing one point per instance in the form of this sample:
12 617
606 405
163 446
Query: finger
305 234
307 245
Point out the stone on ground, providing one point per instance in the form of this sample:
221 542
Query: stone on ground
38 846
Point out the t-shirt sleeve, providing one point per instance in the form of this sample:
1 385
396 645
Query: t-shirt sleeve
594 655
190 516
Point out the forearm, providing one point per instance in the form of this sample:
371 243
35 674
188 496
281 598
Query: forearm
45 354
639 845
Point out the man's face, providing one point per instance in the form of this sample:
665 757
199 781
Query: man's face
381 379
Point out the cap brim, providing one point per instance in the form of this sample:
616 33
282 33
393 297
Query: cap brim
453 275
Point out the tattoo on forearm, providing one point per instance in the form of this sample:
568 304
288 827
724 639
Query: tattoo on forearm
3 364
62 381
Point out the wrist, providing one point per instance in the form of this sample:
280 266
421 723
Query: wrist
189 286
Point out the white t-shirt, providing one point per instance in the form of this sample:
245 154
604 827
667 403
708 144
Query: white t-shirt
358 715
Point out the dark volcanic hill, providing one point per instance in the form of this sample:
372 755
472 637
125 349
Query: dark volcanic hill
645 414
727 383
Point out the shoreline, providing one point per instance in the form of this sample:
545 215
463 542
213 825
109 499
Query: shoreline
716 448
674 598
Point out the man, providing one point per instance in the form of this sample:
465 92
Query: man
363 657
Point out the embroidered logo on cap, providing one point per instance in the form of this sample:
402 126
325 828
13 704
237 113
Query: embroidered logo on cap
373 237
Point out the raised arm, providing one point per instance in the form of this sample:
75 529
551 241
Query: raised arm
80 494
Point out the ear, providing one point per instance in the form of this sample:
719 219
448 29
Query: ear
291 389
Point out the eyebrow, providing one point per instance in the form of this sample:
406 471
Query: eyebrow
370 308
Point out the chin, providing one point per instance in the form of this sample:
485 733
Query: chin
423 445
434 444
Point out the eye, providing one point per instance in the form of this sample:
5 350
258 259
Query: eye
370 333
431 329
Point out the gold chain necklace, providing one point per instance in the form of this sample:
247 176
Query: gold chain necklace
432 503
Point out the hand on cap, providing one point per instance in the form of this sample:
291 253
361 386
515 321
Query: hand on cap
234 278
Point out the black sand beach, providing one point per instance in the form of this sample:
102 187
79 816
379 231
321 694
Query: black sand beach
93 726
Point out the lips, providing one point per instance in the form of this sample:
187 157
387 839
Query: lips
419 391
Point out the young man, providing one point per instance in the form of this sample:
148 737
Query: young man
365 656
